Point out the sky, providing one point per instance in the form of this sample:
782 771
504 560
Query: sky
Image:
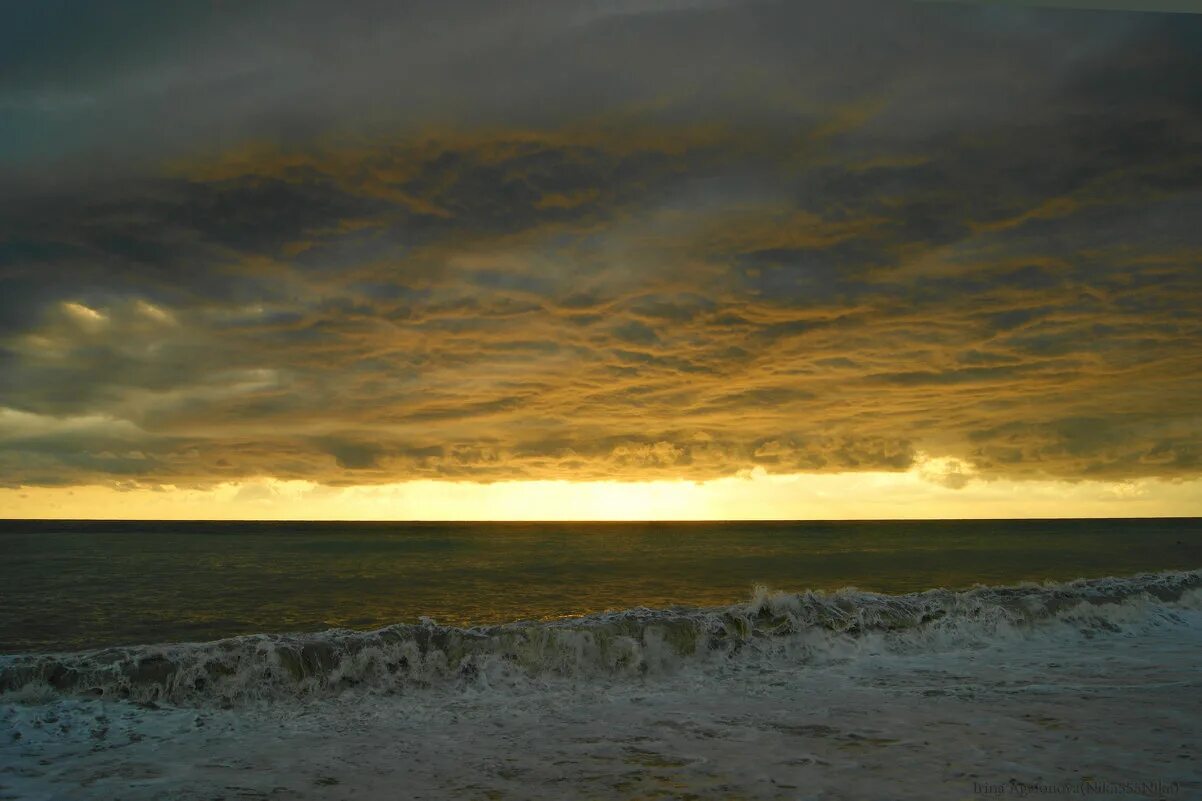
541 260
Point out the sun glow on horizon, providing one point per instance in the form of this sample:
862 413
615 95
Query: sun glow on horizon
753 495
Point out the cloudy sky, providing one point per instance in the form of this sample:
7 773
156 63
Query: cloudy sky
606 258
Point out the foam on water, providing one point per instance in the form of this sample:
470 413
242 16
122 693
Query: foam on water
807 628
844 695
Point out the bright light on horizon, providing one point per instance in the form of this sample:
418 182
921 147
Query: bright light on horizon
755 495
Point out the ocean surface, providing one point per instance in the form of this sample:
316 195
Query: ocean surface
75 585
902 660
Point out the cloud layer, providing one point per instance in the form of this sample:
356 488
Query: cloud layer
628 242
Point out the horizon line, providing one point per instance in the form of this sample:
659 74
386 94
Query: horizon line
591 522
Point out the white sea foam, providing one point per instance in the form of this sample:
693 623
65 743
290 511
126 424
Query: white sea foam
806 628
1065 687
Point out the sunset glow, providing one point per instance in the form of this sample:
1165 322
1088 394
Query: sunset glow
936 273
754 496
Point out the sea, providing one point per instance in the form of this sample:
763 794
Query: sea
774 660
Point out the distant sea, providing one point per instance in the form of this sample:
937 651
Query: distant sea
754 660
69 585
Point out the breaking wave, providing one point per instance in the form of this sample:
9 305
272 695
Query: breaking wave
811 627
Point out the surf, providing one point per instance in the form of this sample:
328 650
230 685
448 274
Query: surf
632 644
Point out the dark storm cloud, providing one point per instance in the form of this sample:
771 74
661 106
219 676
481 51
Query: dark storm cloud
599 241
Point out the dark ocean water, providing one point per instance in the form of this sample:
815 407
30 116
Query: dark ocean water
68 585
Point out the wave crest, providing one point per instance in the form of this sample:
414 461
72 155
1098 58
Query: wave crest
634 642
